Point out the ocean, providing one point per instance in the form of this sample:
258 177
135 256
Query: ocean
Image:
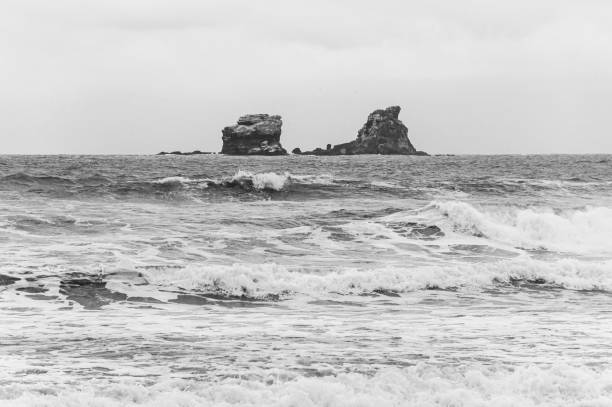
301 281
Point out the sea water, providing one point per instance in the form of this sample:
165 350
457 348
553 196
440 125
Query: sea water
305 281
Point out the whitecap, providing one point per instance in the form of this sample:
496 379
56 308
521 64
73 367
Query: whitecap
585 231
262 280
261 181
421 385
174 180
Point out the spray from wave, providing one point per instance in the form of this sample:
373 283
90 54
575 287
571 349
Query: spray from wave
584 231
261 181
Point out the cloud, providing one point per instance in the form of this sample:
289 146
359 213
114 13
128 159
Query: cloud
145 75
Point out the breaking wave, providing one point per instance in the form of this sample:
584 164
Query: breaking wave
584 231
262 181
420 385
267 280
198 285
165 187
249 181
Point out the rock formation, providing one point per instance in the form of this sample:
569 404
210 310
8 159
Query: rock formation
383 133
255 134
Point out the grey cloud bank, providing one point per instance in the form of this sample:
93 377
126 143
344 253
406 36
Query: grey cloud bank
145 76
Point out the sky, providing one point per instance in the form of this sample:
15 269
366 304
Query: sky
142 76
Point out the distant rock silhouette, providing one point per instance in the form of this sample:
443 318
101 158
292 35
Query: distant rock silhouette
254 134
383 133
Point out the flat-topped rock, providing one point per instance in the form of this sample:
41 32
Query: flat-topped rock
382 133
254 134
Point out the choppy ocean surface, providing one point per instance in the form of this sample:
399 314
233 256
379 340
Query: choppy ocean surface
305 281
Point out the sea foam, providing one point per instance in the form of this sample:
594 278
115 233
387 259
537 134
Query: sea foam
422 385
583 231
262 280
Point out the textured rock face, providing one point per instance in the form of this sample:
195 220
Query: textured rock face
254 134
383 133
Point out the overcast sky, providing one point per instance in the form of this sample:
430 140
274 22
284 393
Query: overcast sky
141 76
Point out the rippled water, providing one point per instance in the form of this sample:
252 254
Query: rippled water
305 281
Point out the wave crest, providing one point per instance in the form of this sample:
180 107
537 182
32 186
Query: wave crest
586 231
267 280
261 181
